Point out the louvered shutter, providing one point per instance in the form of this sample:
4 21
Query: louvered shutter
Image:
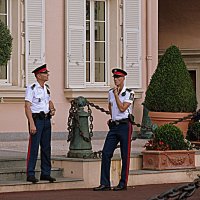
75 43
35 41
132 42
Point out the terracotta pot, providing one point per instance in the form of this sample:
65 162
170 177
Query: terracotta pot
163 160
161 118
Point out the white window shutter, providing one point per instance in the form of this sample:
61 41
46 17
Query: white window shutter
75 76
132 42
35 37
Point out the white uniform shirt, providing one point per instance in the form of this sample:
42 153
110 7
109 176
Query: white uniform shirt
38 97
124 96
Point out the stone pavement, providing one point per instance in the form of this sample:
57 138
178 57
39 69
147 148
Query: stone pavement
59 147
144 192
18 149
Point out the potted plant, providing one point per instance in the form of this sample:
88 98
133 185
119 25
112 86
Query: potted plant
170 91
168 149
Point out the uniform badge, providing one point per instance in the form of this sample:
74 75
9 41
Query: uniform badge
123 94
131 97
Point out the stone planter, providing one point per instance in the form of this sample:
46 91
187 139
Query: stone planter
164 160
161 118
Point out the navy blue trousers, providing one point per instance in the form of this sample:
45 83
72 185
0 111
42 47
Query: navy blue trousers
42 138
118 134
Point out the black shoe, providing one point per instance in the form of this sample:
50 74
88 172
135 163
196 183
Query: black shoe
119 187
102 188
32 179
47 178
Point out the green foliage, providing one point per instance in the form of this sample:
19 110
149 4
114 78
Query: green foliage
193 133
170 88
168 137
5 44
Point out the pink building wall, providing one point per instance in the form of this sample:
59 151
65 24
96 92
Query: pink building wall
179 24
12 117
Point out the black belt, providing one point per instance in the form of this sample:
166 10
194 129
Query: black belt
41 115
117 122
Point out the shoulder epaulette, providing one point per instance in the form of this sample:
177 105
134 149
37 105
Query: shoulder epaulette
47 85
32 86
128 89
48 89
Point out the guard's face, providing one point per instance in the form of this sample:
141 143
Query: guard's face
118 80
43 76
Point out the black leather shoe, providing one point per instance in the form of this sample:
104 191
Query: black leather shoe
47 178
119 187
32 179
102 188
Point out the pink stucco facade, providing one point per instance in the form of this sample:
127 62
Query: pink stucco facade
157 31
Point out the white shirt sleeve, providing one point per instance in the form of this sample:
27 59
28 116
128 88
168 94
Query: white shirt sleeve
29 94
129 97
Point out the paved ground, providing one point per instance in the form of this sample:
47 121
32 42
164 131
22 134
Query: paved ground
133 193
59 147
17 149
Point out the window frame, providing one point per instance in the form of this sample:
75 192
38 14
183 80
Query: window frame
8 80
92 82
191 66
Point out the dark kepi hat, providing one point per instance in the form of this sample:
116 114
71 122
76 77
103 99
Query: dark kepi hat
42 68
118 72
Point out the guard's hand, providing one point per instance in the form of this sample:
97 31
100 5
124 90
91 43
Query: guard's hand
33 129
52 111
109 121
115 90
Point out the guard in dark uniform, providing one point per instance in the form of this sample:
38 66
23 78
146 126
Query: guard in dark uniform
38 109
120 106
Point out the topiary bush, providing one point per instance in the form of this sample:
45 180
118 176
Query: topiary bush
170 88
5 44
193 133
168 137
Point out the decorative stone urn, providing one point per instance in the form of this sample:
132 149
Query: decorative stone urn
161 118
165 160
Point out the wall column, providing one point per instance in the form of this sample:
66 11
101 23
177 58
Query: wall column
152 37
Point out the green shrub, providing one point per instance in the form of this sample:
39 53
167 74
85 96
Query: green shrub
193 133
170 88
5 44
168 137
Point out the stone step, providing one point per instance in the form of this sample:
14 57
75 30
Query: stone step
136 177
145 177
23 186
16 174
85 173
15 163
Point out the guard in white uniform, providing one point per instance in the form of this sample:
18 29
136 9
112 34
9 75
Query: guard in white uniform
39 108
120 106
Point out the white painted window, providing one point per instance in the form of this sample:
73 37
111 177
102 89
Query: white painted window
87 43
86 56
4 17
96 42
35 36
132 42
75 55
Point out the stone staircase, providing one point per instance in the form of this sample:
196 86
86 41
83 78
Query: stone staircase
74 173
13 177
15 170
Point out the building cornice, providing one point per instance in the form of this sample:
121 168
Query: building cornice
94 94
12 94
189 55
